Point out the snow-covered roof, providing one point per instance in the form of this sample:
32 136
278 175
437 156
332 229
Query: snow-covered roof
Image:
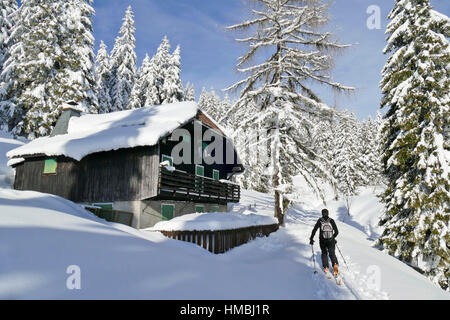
92 133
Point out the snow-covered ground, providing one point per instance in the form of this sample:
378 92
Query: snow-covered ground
42 236
7 143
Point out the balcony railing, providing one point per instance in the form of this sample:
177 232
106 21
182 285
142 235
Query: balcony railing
180 185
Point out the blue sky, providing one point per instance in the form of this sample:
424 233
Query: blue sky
209 53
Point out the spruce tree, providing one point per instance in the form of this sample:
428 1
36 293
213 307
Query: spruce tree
348 161
172 87
7 10
103 73
189 92
143 80
77 79
50 63
159 64
296 51
123 64
211 103
378 148
416 92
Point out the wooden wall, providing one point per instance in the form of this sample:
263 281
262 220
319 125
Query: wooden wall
166 146
121 175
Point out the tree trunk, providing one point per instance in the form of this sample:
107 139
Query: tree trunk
278 202
276 167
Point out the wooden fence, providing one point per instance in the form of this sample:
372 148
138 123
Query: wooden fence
221 241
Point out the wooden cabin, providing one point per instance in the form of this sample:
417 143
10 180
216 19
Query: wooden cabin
124 161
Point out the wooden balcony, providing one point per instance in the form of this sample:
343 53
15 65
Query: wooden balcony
182 186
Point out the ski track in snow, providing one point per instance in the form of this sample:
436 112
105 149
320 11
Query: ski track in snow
302 222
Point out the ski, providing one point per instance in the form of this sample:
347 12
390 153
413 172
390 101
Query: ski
328 275
338 279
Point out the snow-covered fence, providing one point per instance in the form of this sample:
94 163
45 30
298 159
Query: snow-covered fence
220 241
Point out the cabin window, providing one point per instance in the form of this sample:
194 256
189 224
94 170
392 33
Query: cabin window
167 158
215 208
105 206
199 208
50 166
167 211
199 170
216 174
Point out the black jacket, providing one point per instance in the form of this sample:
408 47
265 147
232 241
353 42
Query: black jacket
317 226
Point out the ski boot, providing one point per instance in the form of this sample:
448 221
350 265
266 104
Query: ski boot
335 270
327 273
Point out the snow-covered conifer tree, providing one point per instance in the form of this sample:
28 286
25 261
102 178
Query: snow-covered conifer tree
77 79
159 65
348 161
371 150
172 87
189 92
144 79
123 64
416 92
211 103
103 73
378 149
296 51
7 9
50 63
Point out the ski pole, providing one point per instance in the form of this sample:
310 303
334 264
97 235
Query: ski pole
342 257
314 259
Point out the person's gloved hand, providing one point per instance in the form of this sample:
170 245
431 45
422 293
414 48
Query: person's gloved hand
311 241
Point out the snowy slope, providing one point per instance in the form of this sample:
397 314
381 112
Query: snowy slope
42 235
365 208
7 143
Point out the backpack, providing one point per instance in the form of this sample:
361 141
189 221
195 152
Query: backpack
327 229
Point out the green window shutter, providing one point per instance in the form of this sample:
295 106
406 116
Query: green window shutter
216 175
167 158
215 208
50 166
199 209
200 171
167 211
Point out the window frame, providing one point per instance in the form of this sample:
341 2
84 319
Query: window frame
100 204
45 167
202 206
167 158
167 205
218 174
203 170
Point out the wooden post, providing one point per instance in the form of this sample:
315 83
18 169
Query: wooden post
204 239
